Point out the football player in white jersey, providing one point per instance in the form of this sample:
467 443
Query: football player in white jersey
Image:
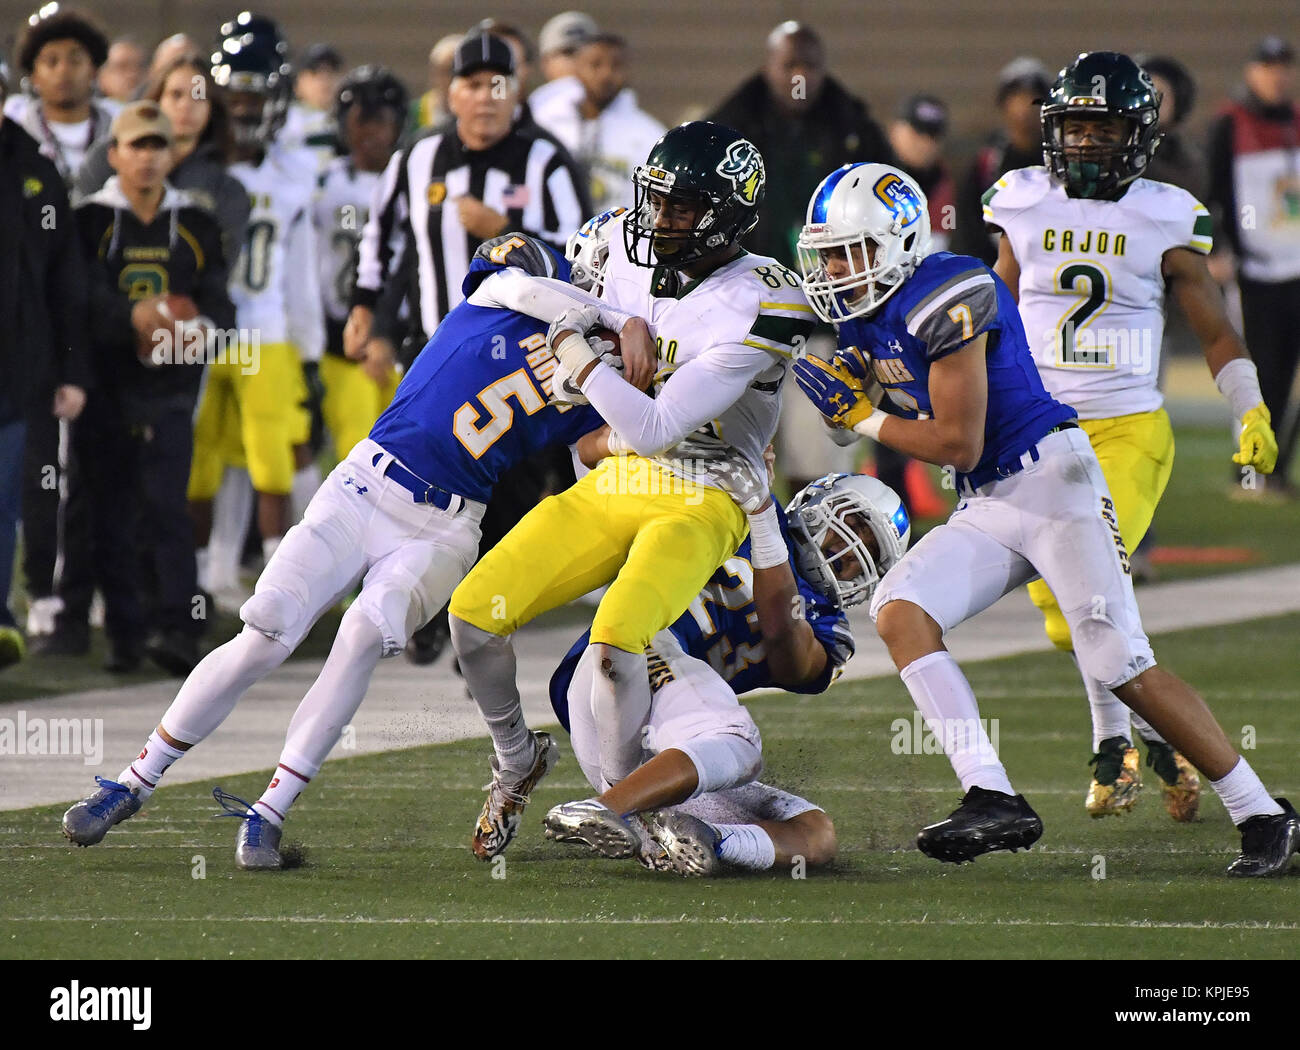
253 405
1091 248
651 520
370 111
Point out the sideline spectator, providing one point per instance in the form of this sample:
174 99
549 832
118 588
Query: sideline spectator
805 124
1023 83
43 355
1254 160
605 130
123 73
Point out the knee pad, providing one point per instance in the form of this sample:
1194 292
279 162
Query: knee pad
468 640
271 611
723 761
1108 654
394 607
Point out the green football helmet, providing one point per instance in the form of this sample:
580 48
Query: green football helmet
704 164
1101 84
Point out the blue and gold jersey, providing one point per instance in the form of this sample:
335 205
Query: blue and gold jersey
947 302
721 628
475 401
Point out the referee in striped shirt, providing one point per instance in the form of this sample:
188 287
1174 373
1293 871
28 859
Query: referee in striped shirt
489 170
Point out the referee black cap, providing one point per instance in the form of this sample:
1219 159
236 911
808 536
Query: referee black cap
483 51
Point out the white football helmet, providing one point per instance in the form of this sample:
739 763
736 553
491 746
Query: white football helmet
822 515
872 208
588 250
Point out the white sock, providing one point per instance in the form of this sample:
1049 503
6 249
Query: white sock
620 703
332 701
231 511
487 662
285 786
306 481
944 698
745 846
216 684
1110 715
154 760
1243 794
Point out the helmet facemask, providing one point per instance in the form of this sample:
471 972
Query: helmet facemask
588 251
844 542
870 273
648 245
1098 171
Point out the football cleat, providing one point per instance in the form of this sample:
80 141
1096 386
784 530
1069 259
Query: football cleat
257 846
1116 780
690 845
595 825
88 821
1180 784
1267 843
985 821
504 808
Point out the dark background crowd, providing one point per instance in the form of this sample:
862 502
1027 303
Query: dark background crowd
102 123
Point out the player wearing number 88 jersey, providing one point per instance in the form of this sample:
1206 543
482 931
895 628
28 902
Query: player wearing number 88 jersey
1090 248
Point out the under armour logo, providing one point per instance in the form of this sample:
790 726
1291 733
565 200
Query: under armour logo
896 346
836 401
361 489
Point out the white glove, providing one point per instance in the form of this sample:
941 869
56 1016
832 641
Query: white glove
573 350
563 388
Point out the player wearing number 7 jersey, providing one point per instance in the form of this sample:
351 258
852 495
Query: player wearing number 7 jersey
942 335
400 515
1091 248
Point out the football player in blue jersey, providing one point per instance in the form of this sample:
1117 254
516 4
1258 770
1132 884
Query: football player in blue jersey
400 515
772 615
941 335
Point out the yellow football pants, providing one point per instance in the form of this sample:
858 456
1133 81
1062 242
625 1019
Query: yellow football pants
352 401
1137 455
252 415
630 521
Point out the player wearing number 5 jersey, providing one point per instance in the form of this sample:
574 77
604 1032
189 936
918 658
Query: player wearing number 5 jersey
400 515
1091 248
942 335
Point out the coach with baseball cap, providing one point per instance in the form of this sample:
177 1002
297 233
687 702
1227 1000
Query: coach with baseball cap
489 172
155 258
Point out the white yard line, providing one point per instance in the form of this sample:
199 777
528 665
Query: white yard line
410 706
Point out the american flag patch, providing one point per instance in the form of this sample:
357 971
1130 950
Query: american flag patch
515 197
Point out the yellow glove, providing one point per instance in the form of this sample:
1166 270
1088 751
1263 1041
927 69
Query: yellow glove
838 394
1258 445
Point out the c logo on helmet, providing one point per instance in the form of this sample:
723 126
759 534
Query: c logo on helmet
743 165
898 197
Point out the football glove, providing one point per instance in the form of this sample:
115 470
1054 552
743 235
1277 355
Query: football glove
1258 443
573 351
736 476
837 393
563 388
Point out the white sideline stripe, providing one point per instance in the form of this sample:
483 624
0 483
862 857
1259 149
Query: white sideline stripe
683 920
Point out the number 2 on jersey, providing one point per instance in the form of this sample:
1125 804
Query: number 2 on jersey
1089 281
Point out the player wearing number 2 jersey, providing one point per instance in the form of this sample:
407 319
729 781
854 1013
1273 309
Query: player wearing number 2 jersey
400 515
1091 248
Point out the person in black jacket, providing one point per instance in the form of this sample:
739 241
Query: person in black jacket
43 353
155 258
805 124
1023 83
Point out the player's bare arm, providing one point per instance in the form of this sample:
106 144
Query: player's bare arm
1194 288
794 654
959 396
1188 279
1008 267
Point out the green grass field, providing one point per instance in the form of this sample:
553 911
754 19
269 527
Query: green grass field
388 872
